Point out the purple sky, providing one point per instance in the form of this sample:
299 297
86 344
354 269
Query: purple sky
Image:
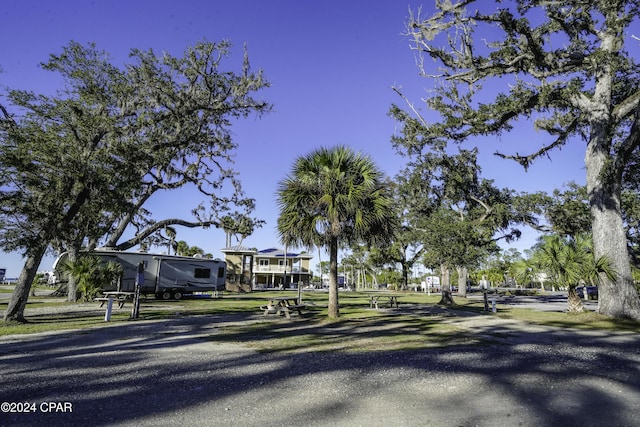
330 63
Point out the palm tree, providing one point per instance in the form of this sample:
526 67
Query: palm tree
593 269
228 224
522 272
91 275
181 248
568 261
334 197
83 270
238 226
171 235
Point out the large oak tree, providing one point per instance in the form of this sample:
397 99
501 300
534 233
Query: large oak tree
561 66
78 167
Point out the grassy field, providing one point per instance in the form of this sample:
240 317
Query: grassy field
418 323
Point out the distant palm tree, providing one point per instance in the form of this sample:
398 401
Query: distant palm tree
569 261
171 235
522 272
181 248
332 197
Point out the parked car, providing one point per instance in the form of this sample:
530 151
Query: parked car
592 292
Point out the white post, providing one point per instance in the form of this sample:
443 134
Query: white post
107 313
284 279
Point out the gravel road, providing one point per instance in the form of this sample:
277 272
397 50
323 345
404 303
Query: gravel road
171 372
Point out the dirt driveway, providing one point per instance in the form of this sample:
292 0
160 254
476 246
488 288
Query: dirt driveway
173 372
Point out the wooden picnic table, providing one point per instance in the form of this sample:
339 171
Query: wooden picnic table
119 297
391 300
282 305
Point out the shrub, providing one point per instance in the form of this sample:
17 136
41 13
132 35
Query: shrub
92 275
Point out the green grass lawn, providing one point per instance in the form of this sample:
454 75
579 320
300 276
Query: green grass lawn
359 327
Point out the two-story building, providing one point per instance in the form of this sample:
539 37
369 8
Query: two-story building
271 268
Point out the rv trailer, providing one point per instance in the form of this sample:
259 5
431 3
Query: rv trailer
165 276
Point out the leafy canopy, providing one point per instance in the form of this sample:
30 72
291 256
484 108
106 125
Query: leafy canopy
113 137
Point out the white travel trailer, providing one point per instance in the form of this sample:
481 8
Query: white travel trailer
165 276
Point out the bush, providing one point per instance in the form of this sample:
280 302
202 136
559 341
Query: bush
92 275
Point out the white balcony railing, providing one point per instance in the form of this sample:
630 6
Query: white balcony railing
278 269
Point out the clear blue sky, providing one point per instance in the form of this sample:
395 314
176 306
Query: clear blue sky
331 65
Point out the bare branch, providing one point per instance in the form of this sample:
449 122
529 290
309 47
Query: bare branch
410 104
486 207
161 225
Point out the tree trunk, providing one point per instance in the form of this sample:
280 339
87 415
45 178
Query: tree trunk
617 298
333 309
445 285
405 276
20 295
574 303
72 284
462 281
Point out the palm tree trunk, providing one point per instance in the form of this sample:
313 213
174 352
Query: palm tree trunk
333 309
574 303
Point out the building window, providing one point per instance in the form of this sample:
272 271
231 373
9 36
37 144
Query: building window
263 262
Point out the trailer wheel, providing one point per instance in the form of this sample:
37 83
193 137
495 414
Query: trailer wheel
177 295
166 295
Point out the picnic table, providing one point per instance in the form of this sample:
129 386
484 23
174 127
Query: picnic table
282 305
391 300
119 297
